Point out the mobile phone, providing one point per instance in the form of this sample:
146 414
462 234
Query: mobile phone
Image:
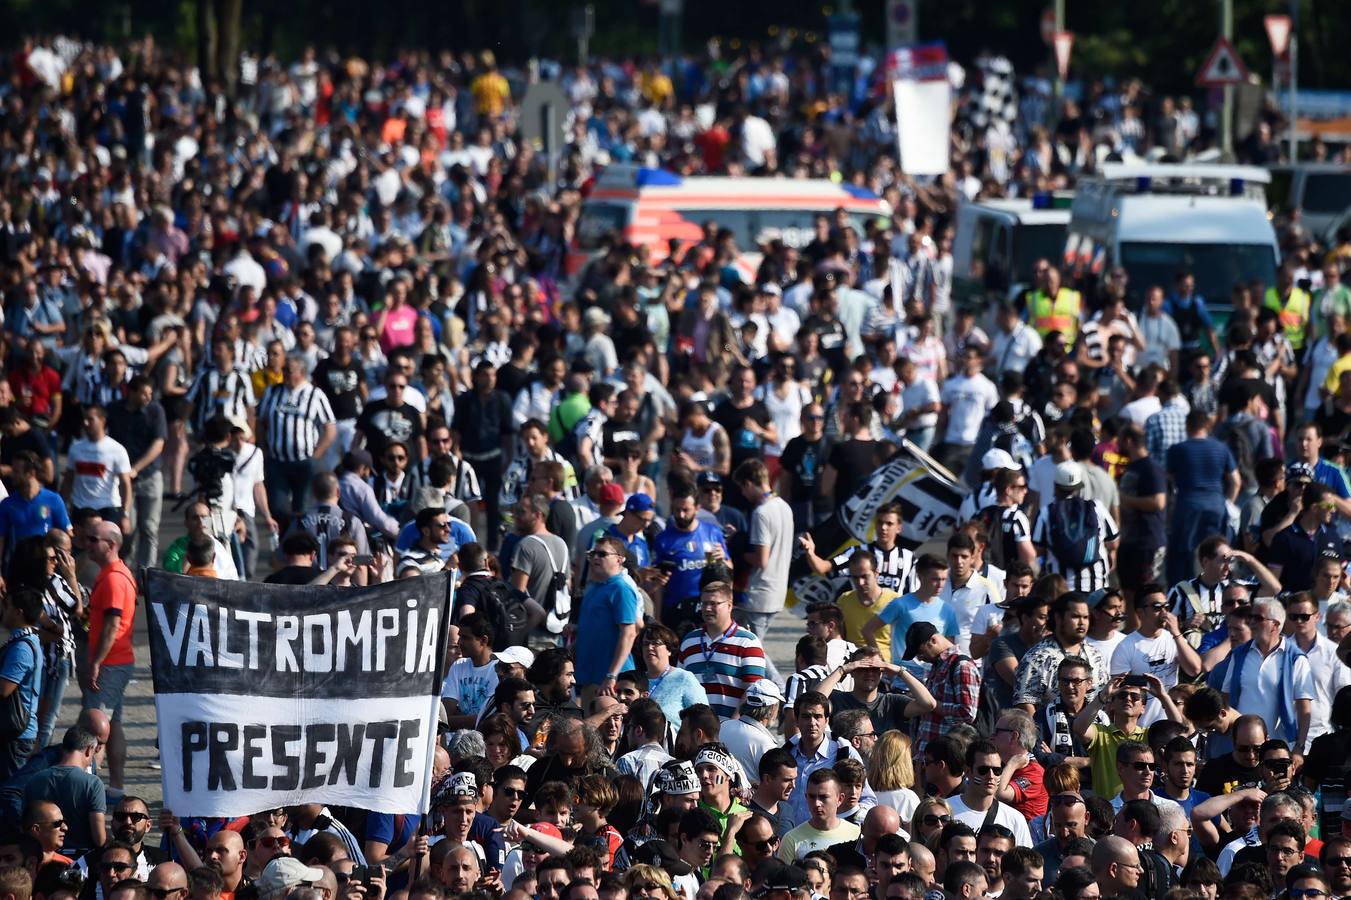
363 559
667 567
1135 681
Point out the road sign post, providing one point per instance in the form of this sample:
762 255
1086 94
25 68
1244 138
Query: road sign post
1224 68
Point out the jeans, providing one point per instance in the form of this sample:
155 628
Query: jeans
13 755
757 623
146 508
1194 520
288 483
249 549
922 438
53 692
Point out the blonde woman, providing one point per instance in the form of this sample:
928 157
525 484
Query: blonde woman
646 882
930 816
1062 778
891 774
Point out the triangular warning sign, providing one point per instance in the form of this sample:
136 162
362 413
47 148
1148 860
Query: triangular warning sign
1222 66
1064 43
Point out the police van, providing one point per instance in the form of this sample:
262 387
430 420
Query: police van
1158 220
998 242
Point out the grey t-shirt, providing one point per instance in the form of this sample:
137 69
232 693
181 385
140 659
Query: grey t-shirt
772 527
77 793
540 563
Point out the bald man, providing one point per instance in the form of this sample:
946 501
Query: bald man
922 862
459 871
1116 866
168 881
44 821
226 854
879 820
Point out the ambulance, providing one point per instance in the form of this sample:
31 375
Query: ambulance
651 207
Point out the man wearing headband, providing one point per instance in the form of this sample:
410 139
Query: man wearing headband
717 771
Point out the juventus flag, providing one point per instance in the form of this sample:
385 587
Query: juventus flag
274 695
929 496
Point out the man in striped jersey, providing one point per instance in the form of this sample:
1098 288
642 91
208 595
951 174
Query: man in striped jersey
1198 602
295 427
725 657
1071 525
223 389
895 564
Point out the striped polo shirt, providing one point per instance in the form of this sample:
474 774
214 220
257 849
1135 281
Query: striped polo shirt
725 665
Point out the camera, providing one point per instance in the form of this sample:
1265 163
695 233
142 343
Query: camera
208 469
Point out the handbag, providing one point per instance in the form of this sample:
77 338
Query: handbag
14 715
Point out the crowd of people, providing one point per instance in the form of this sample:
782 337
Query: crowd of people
329 321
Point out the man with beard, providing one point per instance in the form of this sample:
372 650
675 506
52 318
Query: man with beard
681 551
116 863
131 823
225 853
1037 670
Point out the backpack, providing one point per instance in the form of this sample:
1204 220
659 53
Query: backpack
15 717
1072 532
991 519
505 607
1236 439
557 596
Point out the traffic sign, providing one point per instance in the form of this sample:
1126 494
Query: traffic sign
1278 32
1064 43
1222 67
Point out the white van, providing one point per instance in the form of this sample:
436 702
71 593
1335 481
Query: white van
1320 191
1157 220
998 242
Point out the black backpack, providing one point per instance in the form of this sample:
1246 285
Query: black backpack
1235 437
504 605
1072 532
991 519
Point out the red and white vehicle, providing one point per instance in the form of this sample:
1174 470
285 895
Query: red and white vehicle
650 207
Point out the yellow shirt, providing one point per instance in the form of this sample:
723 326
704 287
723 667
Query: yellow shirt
1102 757
857 614
491 93
264 379
1343 364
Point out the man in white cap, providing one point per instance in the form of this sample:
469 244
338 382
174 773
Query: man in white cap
718 772
993 461
747 736
1076 537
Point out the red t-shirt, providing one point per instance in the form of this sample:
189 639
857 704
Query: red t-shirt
115 593
33 391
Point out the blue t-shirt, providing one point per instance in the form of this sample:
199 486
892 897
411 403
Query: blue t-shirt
905 611
22 665
606 606
1198 467
687 551
1325 472
20 518
642 554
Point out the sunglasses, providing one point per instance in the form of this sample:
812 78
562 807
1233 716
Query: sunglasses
647 886
1066 800
763 846
1299 617
115 867
511 791
165 892
1141 766
934 821
272 843
56 825
1277 765
1337 861
1246 749
131 817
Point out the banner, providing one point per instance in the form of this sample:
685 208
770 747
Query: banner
929 496
273 695
923 97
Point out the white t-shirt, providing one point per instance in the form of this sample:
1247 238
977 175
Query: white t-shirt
772 527
1140 655
1107 646
969 400
919 393
248 472
1006 815
469 685
97 466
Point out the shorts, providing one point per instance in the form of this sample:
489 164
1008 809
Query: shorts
113 681
107 513
1136 566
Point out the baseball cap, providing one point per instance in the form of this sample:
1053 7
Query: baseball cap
611 494
775 875
770 287
284 873
761 694
995 458
1069 475
520 656
239 423
1300 471
639 502
356 459
917 636
708 479
1095 599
